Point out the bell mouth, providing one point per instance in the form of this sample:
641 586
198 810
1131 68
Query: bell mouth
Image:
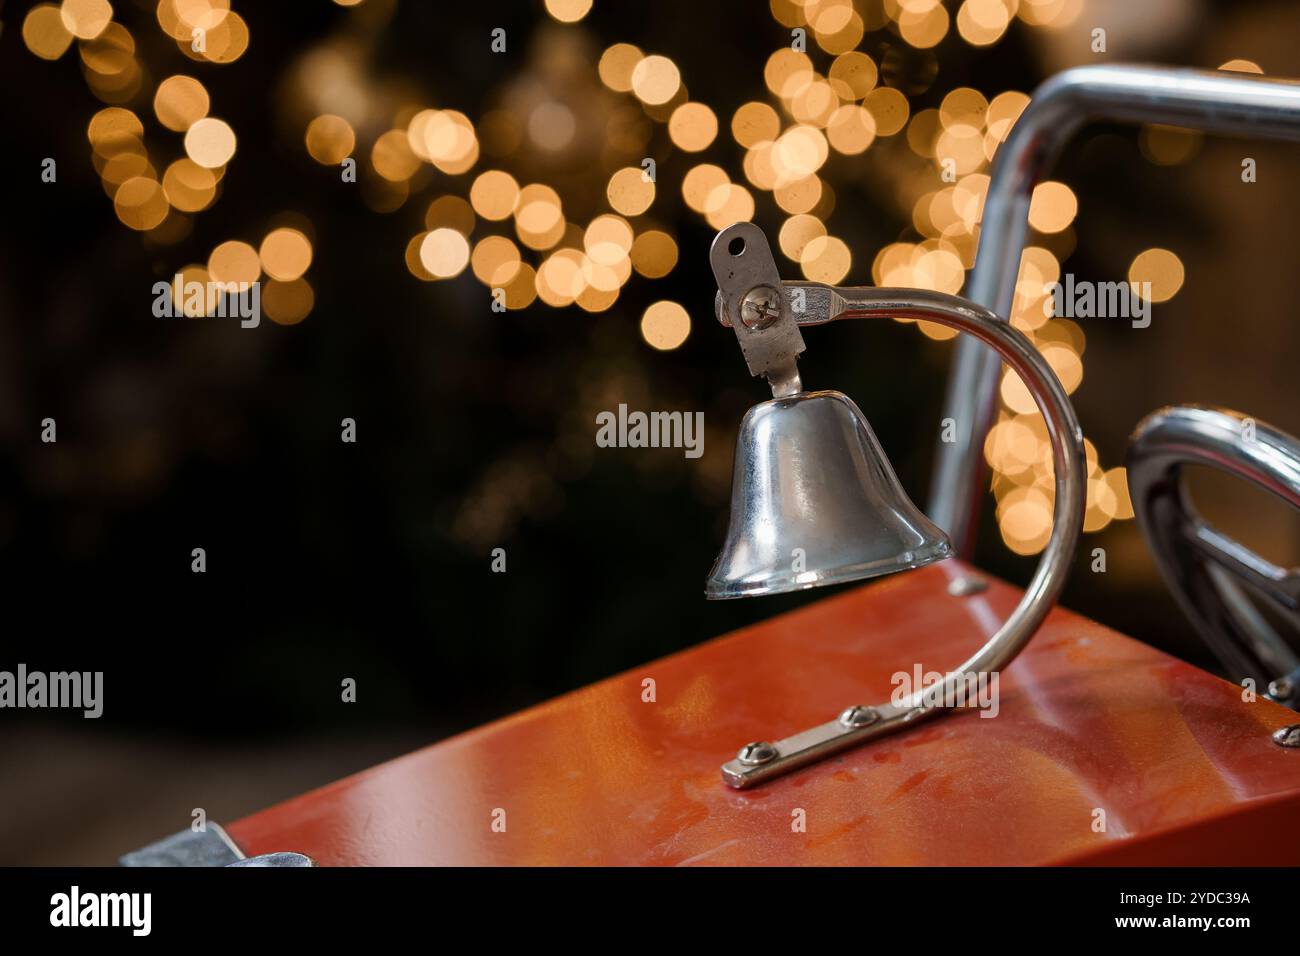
815 502
784 582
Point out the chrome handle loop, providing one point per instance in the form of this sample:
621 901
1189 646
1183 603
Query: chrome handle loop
1210 574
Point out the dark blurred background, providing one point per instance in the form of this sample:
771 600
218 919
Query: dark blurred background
475 428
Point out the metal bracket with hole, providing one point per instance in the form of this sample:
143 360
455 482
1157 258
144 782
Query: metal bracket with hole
750 296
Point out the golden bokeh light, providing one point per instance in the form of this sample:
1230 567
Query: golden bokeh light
1050 13
180 18
825 259
330 139
225 36
110 59
965 106
1241 66
1162 269
180 102
494 194
616 66
923 24
799 152
982 22
800 195
889 108
654 254
521 291
86 19
234 261
140 203
655 80
787 72
285 254
392 157
568 11
121 166
1052 207
853 75
815 103
851 130
191 292
630 191
539 209
593 299
1066 364
608 240
444 253
451 212
412 256
692 127
539 216
1117 479
287 303
188 186
665 325
755 123
111 69
838 28
113 129
210 142
495 261
796 232
727 204
44 32
1025 520
1002 113
560 280
444 138
758 166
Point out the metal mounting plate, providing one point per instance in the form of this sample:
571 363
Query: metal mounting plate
742 262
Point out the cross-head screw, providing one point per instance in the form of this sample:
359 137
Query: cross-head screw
760 307
758 752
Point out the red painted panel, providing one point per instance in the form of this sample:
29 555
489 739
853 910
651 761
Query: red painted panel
1183 768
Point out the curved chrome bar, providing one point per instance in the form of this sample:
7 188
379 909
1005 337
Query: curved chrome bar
814 304
1229 103
1063 429
1203 567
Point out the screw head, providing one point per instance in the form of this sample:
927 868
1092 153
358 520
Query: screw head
859 716
1281 689
760 307
758 752
1287 736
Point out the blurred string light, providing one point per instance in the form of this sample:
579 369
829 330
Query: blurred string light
845 110
519 237
156 195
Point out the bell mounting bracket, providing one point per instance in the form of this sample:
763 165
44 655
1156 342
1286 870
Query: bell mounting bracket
750 296
767 315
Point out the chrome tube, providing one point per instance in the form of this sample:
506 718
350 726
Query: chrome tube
1229 103
1207 571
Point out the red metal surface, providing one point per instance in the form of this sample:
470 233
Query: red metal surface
1183 768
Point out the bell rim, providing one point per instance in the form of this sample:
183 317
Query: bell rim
788 582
